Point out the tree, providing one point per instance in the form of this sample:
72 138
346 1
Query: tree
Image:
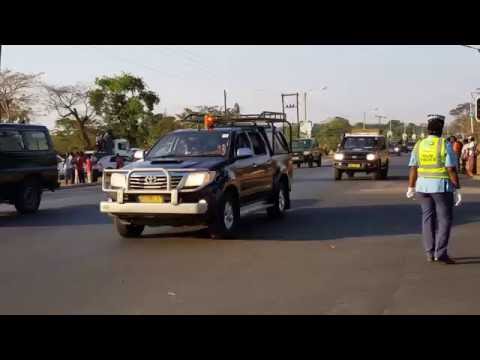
461 124
124 102
77 116
330 133
158 126
17 96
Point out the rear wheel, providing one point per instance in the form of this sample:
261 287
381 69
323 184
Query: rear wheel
281 202
225 222
310 162
128 230
319 162
28 197
338 174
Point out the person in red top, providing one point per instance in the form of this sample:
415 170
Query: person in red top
80 164
88 167
457 149
119 161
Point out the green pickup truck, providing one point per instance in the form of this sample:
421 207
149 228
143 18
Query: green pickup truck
28 165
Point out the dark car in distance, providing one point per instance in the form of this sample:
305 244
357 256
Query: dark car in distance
364 152
28 165
204 176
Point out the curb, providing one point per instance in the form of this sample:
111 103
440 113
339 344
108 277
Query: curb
68 187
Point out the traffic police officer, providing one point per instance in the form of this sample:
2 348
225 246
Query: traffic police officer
433 177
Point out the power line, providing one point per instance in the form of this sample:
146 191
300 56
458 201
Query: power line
151 68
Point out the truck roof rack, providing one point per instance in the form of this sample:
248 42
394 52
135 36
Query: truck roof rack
269 118
265 116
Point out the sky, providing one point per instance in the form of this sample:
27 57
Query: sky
403 82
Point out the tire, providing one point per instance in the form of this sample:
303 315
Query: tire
299 165
227 219
28 197
338 174
319 162
385 173
378 175
281 202
128 230
350 175
310 163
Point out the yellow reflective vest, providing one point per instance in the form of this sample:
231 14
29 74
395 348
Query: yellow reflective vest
431 155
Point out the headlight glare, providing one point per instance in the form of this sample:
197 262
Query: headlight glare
338 157
198 179
118 180
371 157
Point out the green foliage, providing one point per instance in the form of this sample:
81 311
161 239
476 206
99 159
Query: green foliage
124 103
329 134
66 137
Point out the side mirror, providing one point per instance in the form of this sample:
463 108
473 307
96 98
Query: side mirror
139 155
243 153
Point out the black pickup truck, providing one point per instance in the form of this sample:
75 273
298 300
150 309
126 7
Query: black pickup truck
203 176
28 164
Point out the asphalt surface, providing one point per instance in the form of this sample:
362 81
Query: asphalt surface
348 247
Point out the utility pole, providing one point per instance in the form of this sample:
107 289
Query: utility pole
298 111
364 119
0 58
225 101
305 105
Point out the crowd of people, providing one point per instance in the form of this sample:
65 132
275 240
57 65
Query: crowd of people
78 168
467 152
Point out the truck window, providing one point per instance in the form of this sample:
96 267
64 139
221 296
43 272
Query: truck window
281 146
242 141
258 143
11 141
35 140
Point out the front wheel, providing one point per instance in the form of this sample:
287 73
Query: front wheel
299 165
281 202
128 230
226 221
28 197
319 162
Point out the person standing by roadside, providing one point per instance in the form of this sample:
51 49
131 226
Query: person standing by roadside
457 149
471 156
80 168
88 168
69 169
433 177
119 161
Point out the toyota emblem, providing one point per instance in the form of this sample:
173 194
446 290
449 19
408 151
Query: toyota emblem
150 179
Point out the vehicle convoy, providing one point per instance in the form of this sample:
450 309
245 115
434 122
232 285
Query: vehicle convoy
362 151
28 164
306 151
204 176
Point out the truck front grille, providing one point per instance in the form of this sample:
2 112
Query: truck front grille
153 182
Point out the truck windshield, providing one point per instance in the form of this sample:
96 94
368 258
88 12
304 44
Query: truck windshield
301 145
198 143
367 142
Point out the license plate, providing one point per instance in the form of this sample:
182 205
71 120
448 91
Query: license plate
354 166
157 199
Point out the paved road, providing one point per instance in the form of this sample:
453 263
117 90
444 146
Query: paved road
349 247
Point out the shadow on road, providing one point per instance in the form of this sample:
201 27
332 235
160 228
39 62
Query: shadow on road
62 216
333 223
467 260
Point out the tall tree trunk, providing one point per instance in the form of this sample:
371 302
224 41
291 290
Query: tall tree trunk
84 135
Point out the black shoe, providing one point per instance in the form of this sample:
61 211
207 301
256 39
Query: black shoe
446 261
429 258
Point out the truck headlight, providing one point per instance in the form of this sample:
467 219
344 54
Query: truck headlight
371 157
306 153
197 179
338 157
118 180
397 149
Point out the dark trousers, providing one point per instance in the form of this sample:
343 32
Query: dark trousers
437 211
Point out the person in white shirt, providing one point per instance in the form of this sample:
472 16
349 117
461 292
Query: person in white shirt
68 166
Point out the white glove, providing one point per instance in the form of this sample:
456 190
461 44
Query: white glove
410 192
457 197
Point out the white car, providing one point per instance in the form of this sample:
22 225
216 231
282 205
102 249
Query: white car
108 162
